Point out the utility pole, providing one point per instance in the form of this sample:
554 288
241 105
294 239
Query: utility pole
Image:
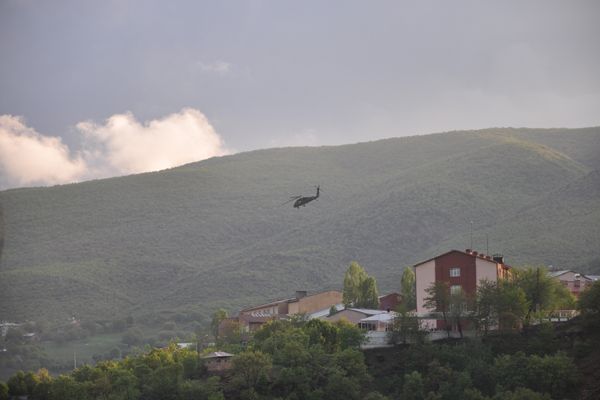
471 247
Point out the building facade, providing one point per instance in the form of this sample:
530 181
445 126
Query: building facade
462 270
252 318
575 282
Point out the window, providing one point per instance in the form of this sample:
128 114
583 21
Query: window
455 289
455 272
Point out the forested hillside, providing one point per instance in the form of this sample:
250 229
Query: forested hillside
215 234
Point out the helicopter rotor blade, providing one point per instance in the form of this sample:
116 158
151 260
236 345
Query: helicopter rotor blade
291 199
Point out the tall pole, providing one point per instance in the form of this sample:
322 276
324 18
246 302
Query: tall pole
471 247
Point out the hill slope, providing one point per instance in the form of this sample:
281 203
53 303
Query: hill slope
214 234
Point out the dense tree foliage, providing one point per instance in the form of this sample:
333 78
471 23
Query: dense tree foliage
360 289
299 359
543 293
438 299
353 278
408 288
216 319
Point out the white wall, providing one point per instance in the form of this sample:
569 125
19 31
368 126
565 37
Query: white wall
485 269
425 276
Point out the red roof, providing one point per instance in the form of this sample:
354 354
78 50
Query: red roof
468 252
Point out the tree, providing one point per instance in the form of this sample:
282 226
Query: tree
351 336
486 310
324 334
589 300
17 385
217 317
407 283
65 387
368 295
133 336
360 290
231 332
413 388
406 327
458 307
543 293
3 391
333 310
511 305
250 368
438 299
353 278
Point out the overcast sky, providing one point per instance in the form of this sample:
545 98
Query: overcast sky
100 88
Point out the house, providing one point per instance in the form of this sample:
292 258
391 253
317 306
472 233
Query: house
462 270
218 361
379 322
252 318
352 315
390 301
574 281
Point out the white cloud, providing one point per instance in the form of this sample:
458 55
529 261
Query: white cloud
124 145
121 145
28 158
218 67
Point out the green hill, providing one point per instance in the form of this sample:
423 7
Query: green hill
214 233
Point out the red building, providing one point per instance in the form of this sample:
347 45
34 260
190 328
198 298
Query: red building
462 270
390 302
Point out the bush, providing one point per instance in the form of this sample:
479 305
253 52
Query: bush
133 337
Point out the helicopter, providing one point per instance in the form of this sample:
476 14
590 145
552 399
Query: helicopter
301 201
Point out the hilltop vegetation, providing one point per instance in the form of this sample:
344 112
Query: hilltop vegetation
214 234
300 359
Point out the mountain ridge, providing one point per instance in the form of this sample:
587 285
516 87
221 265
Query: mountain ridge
214 233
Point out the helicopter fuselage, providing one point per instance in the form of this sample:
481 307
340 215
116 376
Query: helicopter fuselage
302 201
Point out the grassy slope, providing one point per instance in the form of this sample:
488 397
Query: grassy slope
214 233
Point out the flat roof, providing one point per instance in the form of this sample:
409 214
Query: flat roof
218 354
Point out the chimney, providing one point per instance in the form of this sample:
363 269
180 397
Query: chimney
499 258
300 294
468 251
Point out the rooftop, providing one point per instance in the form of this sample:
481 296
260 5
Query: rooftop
218 354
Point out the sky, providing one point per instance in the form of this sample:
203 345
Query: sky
92 89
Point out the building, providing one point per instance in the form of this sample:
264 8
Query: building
390 302
575 282
218 361
462 270
352 315
252 318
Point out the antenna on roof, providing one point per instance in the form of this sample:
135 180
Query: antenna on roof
471 235
487 244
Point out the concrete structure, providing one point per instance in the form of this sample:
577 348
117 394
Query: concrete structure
252 318
575 282
379 322
352 315
462 270
390 301
218 362
302 303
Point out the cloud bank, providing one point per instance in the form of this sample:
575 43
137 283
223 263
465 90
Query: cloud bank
121 145
28 158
